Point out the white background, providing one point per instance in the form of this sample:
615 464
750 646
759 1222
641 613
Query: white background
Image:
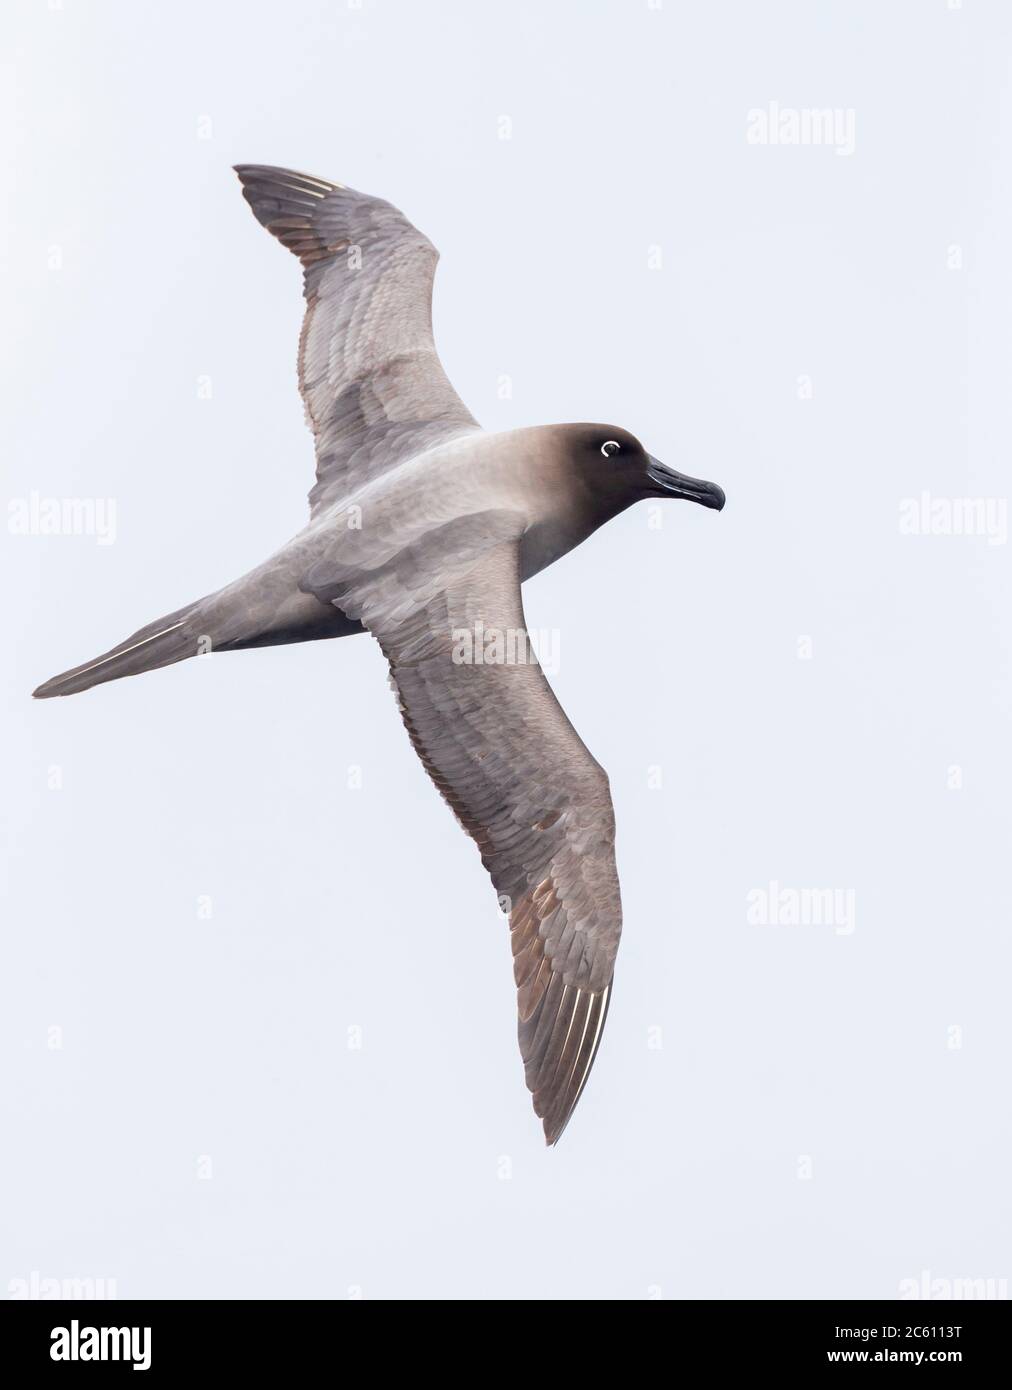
413 1166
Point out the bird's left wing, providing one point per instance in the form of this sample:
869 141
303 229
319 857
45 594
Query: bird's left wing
500 749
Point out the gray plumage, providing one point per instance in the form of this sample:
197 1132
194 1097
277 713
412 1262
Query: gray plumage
423 526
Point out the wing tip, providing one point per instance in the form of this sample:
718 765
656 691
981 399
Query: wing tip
286 203
555 1104
284 179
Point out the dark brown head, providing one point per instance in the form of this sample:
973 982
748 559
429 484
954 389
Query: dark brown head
614 466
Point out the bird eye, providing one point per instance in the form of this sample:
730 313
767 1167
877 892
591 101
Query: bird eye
609 447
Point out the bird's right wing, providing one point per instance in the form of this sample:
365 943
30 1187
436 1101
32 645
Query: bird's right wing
374 389
498 746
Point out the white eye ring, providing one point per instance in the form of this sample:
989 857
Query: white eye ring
609 447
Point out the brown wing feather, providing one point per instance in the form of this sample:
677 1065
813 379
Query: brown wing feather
374 389
500 749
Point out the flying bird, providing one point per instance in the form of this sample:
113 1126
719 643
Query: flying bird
422 526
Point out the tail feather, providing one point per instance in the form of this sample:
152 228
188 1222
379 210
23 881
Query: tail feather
170 639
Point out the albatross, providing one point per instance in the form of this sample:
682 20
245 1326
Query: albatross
423 525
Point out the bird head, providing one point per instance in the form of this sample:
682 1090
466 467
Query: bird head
613 464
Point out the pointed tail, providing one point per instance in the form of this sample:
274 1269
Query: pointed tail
170 639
